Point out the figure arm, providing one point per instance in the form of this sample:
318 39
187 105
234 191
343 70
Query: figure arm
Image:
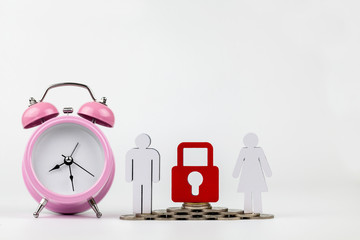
129 166
264 163
156 166
239 163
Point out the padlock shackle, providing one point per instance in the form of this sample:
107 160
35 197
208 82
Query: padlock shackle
180 151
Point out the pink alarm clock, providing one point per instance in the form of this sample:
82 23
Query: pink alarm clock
68 166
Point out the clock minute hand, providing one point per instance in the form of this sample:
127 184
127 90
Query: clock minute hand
71 178
83 169
57 166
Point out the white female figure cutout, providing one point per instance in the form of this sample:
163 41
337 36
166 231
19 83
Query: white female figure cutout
252 164
142 168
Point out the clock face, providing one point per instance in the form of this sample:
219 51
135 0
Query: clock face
68 158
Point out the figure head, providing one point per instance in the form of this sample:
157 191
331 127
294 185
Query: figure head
143 141
251 140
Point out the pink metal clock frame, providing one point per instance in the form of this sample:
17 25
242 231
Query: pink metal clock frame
72 203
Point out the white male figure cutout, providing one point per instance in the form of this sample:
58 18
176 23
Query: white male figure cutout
143 168
252 163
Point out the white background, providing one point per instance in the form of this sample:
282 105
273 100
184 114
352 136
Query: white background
194 71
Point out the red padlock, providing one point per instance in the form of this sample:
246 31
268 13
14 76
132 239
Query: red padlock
181 190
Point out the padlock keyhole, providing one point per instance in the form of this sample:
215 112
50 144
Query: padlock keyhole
195 179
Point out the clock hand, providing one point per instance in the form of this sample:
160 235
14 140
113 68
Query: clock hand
74 149
57 166
71 178
83 169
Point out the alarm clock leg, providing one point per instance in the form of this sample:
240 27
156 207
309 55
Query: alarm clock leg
41 206
95 207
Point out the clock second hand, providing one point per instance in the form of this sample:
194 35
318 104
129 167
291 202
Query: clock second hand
83 169
78 164
71 178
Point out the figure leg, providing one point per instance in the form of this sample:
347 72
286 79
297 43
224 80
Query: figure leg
257 202
247 202
147 198
137 198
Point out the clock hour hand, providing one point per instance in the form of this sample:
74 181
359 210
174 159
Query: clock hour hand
83 169
57 166
71 178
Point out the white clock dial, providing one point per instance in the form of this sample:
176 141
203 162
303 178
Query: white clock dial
68 158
